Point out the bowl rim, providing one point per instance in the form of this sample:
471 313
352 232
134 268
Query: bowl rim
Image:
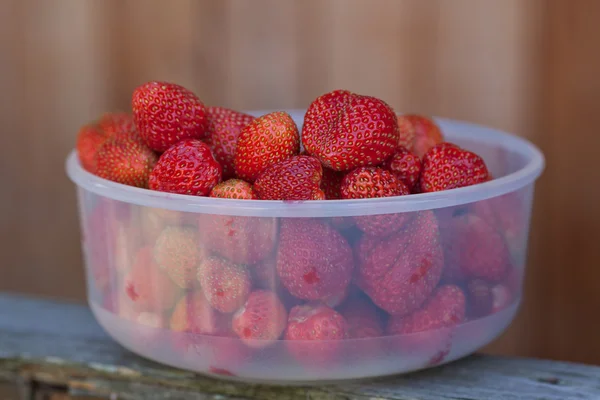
333 208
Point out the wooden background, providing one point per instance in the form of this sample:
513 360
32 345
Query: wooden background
531 67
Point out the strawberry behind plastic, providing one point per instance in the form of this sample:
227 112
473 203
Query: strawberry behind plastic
346 130
261 321
166 113
226 285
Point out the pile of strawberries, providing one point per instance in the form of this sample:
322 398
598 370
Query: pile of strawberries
354 147
303 286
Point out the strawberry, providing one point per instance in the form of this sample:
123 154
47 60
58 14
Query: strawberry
147 286
407 132
314 333
295 178
447 166
225 285
473 249
399 272
425 134
331 184
261 321
314 260
242 240
167 113
346 130
224 127
193 314
177 252
265 141
125 160
406 166
427 332
117 123
233 189
89 139
186 168
371 182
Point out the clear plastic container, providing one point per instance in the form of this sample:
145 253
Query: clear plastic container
280 291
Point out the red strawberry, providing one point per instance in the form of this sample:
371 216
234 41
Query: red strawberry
224 127
314 333
406 166
233 189
426 133
346 130
261 321
177 252
89 139
447 166
314 260
265 141
117 123
371 182
242 240
399 272
148 287
427 332
295 178
473 249
186 168
225 285
407 132
126 160
331 184
166 113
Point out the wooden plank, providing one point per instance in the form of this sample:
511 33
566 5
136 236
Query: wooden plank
60 344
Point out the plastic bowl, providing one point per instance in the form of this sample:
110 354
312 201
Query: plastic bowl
416 281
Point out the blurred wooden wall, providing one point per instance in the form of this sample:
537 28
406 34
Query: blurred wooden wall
530 67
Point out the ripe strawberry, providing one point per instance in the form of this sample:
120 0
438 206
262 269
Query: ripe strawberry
399 272
242 240
426 133
407 132
186 168
166 113
193 314
371 182
295 178
89 139
314 333
117 123
177 252
147 286
406 166
314 260
233 189
224 127
447 166
473 249
263 142
225 285
427 332
261 321
346 130
331 184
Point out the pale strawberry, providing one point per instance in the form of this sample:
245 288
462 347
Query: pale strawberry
193 314
295 178
186 168
406 166
167 113
178 253
224 127
261 321
226 285
447 166
266 140
399 272
346 130
314 260
125 159
314 333
233 189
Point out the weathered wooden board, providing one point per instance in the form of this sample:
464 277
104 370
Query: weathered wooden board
58 347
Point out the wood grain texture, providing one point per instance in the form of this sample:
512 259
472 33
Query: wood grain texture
73 353
529 67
